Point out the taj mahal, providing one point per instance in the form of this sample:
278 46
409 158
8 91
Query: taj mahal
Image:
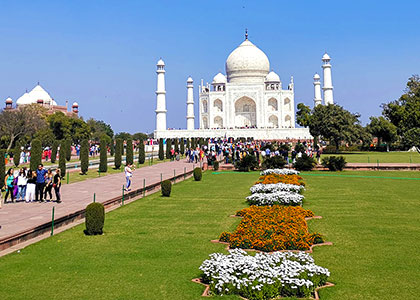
249 101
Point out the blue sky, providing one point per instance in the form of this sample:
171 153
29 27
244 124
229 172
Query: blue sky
103 54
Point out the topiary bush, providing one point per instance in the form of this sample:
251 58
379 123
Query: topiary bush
103 156
36 154
54 151
112 148
188 143
67 144
61 161
161 155
118 153
129 156
166 187
248 162
197 174
142 155
84 156
168 148
334 163
274 162
176 145
182 149
216 165
2 168
16 155
94 218
304 163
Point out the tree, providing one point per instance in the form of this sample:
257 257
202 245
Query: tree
16 154
36 154
54 149
118 153
46 136
334 123
176 145
123 135
112 147
168 148
129 155
303 115
84 156
2 168
142 155
182 146
383 129
65 127
188 144
67 144
404 113
62 159
140 136
161 156
103 156
98 128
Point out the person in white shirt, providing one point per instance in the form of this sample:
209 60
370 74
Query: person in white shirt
128 170
21 183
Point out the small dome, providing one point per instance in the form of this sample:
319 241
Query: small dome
326 56
39 95
160 62
9 101
317 77
272 77
75 104
219 78
190 80
247 63
24 99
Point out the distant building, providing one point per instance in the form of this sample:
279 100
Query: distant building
40 96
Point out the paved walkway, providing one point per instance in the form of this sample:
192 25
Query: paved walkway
17 217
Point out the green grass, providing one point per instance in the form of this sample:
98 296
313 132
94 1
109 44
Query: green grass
382 157
152 248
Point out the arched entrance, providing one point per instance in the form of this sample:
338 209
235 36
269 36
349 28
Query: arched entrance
245 112
218 122
274 121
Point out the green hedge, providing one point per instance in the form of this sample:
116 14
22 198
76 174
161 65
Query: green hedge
118 153
161 155
84 156
103 159
94 218
166 187
197 174
168 148
129 156
36 154
62 160
142 154
68 149
182 150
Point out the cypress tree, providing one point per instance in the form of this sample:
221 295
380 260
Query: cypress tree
118 153
62 159
54 151
168 148
103 159
67 144
2 168
177 145
129 156
161 156
16 155
36 154
188 144
84 156
142 155
182 146
112 147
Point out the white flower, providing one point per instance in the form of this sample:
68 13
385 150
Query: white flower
282 198
280 171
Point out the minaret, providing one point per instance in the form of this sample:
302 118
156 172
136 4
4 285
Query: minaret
317 90
190 104
160 97
327 88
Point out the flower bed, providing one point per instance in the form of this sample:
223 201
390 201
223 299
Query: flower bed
276 198
263 276
276 187
272 228
279 171
277 178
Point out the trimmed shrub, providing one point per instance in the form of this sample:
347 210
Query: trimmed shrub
16 155
94 218
166 187
161 155
68 149
112 148
275 162
103 159
188 144
129 156
299 147
36 154
54 151
2 168
334 163
84 156
197 174
142 155
182 150
168 148
248 162
216 165
61 161
118 153
304 163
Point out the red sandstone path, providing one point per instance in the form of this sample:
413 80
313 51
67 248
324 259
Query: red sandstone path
17 217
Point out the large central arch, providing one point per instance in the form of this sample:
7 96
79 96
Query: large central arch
245 112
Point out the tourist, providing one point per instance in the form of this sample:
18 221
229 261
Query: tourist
30 186
21 183
57 185
8 183
48 185
40 183
128 175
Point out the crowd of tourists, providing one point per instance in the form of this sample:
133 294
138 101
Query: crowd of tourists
32 185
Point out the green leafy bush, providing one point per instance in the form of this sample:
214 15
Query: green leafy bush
95 218
166 187
304 163
161 155
103 159
142 155
248 162
118 153
329 149
274 162
61 160
215 165
54 151
36 154
334 163
84 156
129 156
197 174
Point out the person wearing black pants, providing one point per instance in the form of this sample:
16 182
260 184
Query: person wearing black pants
57 185
40 183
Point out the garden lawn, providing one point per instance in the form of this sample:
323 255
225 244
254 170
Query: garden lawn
381 157
374 224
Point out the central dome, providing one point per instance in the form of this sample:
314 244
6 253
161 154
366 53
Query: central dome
247 64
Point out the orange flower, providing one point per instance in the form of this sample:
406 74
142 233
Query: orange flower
277 178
